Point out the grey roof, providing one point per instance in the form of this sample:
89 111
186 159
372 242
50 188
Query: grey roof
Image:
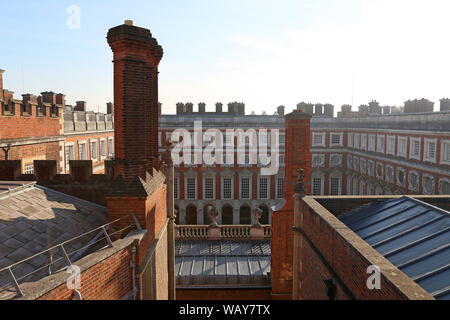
33 219
222 263
412 235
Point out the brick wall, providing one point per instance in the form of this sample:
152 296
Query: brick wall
16 127
110 279
31 152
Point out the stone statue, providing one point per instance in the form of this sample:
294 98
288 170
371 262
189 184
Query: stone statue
257 214
300 186
212 213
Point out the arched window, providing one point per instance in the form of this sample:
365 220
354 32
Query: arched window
227 215
245 216
191 215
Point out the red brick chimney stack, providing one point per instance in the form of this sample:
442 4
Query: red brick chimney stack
48 97
80 106
298 156
136 59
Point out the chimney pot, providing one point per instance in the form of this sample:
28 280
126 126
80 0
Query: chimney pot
129 22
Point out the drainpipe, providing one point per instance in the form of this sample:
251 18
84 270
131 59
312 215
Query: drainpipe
133 270
299 193
171 232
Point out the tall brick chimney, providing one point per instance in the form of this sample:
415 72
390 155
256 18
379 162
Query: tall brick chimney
298 156
110 108
80 106
48 97
1 84
136 59
61 99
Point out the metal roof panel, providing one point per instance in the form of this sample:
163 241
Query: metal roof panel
412 235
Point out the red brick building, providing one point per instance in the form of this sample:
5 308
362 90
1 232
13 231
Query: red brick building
46 128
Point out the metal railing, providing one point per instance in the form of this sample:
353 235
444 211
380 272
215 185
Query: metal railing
227 232
59 258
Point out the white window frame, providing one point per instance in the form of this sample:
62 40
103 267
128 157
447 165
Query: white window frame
103 140
110 147
91 141
381 146
268 187
72 156
339 185
445 149
341 139
314 144
339 156
371 172
433 187
321 177
364 141
29 168
412 140
400 141
417 187
371 142
187 189
350 139
357 141
356 164
427 143
441 182
390 145
249 187
213 188
379 176
389 179
231 187
404 177
363 166
82 156
322 160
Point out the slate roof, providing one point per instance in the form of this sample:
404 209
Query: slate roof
222 263
33 219
412 235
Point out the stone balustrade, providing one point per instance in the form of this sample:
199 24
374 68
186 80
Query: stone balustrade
223 232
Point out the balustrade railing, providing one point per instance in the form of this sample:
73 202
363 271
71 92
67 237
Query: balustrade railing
227 232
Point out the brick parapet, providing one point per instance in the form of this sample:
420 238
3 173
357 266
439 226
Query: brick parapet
326 241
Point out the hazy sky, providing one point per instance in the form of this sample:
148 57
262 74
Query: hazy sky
262 53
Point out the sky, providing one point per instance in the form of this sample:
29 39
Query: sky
263 53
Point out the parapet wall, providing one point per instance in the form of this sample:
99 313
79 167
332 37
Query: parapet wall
331 261
81 121
433 121
81 182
